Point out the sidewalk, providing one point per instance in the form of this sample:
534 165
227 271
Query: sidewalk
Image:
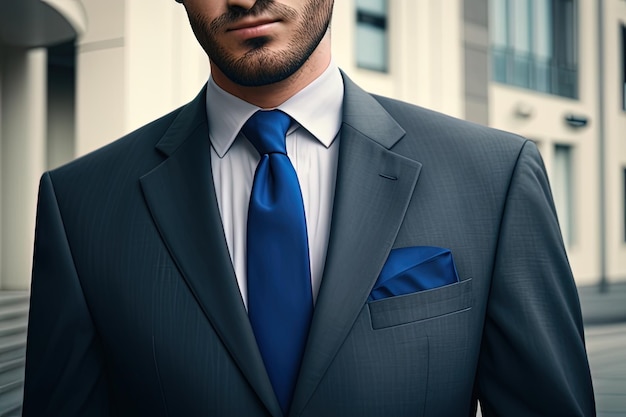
604 315
603 307
606 347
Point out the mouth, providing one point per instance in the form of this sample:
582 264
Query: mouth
252 24
247 30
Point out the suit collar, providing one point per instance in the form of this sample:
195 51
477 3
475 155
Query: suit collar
316 108
190 119
365 115
361 112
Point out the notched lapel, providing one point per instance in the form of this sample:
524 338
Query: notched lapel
181 199
373 191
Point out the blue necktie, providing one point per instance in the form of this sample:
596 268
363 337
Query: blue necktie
280 302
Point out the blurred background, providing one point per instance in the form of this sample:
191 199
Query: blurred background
77 74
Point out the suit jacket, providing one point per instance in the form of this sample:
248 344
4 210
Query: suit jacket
135 309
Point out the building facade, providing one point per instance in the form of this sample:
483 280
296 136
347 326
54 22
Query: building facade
551 70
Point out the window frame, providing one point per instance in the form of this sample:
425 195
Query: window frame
370 19
555 72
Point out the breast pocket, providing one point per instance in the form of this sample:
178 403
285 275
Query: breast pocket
423 305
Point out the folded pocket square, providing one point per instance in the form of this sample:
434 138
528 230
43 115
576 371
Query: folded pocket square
414 269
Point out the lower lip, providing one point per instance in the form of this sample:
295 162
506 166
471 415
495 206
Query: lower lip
254 31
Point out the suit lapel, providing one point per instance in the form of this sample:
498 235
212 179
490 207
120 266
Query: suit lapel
374 188
182 201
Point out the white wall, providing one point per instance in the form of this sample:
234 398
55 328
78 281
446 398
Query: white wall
164 63
101 83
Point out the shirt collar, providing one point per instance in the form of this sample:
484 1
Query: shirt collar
316 108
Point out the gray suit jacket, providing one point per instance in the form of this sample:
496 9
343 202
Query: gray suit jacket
135 309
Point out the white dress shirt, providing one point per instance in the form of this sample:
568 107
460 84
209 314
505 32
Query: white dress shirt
311 146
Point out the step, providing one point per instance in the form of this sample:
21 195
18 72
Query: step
11 397
11 371
13 326
11 387
14 297
12 364
12 408
12 347
13 311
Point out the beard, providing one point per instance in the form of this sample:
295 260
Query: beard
261 65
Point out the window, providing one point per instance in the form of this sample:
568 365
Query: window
624 203
534 45
563 189
371 35
623 67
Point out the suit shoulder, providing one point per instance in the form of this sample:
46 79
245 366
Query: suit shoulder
134 147
458 148
116 165
426 123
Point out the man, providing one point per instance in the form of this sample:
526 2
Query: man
433 256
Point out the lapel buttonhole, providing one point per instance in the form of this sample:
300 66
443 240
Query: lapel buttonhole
388 177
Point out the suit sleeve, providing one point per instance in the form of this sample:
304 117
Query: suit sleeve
533 360
64 366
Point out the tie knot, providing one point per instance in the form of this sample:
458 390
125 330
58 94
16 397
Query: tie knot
266 130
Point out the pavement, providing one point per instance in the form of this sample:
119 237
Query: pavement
604 315
606 349
603 305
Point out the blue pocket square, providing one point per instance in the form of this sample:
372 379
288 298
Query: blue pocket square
414 269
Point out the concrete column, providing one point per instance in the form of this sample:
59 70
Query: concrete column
23 159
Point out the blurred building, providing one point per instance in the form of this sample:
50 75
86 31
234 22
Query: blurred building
77 74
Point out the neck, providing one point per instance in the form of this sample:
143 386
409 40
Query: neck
272 95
